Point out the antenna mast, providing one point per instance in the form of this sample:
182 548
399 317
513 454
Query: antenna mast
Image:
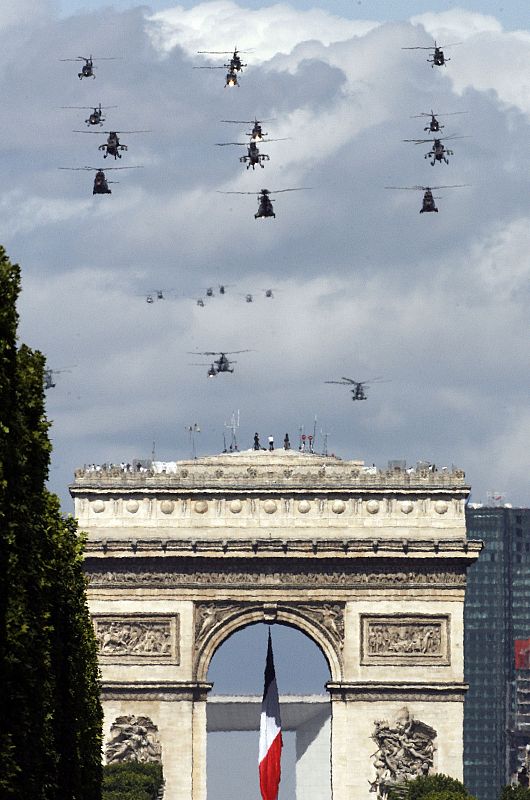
325 442
192 430
233 427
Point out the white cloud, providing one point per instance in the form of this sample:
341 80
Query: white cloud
221 24
364 285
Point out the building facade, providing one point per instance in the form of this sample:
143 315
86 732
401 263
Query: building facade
371 565
497 613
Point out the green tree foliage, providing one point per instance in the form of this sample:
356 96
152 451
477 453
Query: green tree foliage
50 732
431 787
515 793
131 780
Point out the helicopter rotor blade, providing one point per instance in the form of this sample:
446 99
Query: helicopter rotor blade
249 121
223 67
298 189
224 144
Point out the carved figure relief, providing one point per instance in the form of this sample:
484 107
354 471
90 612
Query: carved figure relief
137 639
133 739
405 639
405 749
264 575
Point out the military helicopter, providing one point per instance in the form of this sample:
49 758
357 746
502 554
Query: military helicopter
113 145
265 208
222 364
434 126
249 297
234 65
253 156
357 387
438 152
96 117
428 203
157 294
256 134
87 70
235 60
438 58
48 380
210 292
101 184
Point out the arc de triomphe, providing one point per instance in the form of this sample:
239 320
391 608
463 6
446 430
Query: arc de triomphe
370 564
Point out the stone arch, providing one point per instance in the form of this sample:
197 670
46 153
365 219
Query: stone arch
323 623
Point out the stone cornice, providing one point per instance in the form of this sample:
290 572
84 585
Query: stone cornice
155 690
171 485
400 691
345 548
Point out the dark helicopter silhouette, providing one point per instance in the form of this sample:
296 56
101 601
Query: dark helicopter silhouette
96 117
256 134
112 146
438 151
357 387
234 65
438 57
428 204
48 379
101 184
434 125
265 208
249 296
222 364
87 70
254 157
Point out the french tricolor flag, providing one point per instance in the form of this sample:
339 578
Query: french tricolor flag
270 733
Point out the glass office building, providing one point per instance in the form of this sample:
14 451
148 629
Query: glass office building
497 612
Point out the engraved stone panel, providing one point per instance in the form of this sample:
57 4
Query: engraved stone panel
405 639
133 739
138 639
405 750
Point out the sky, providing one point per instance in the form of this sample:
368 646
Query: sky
435 305
364 286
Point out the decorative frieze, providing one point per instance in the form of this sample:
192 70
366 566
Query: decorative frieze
405 750
405 640
137 639
248 573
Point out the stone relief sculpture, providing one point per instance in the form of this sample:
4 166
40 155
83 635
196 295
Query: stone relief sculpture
133 637
405 749
414 640
133 739
269 576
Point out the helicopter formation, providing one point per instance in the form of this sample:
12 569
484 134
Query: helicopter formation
254 157
439 152
113 146
154 295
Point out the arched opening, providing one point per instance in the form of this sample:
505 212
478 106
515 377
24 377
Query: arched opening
233 710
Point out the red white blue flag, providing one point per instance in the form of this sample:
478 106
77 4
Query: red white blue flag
270 733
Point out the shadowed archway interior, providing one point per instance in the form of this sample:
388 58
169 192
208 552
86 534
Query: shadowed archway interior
236 671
